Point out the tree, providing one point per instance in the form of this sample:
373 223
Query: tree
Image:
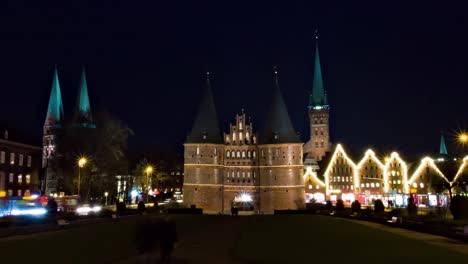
449 169
105 148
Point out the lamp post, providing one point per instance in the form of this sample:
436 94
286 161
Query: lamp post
148 171
106 194
81 163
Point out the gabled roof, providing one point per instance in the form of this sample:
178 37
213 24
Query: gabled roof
278 127
55 109
205 128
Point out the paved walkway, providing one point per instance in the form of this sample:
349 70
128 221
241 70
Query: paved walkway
439 241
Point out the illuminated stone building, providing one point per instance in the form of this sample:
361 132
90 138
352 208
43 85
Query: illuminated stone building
392 179
240 162
20 166
370 173
265 173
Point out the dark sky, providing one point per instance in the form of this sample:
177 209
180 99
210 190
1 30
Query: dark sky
396 75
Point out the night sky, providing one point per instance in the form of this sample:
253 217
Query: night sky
396 75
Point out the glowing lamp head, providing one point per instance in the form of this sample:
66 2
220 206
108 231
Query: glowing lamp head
463 137
149 170
82 162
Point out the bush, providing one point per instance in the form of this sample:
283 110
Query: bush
378 206
141 206
339 205
412 208
121 207
356 207
459 207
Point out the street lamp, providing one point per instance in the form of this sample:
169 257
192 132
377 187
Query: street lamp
463 137
148 171
106 194
81 163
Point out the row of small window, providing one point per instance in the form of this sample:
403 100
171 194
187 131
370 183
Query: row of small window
233 174
318 121
241 138
238 180
395 182
317 132
11 178
415 185
231 177
18 193
12 159
394 173
322 144
341 179
371 185
341 170
349 187
340 159
373 176
241 154
316 187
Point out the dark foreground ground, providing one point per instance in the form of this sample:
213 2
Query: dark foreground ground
252 239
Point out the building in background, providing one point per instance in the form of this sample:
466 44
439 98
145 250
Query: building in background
258 174
20 168
54 129
319 116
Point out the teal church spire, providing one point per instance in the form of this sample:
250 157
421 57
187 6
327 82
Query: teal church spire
443 147
318 98
83 116
55 110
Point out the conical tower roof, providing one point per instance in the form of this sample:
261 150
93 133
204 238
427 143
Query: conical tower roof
205 128
318 96
443 147
83 115
278 128
55 109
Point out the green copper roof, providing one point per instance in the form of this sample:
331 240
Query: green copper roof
83 114
55 109
205 128
278 128
443 147
318 96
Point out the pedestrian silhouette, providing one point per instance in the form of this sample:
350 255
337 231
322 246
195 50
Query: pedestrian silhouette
168 238
146 238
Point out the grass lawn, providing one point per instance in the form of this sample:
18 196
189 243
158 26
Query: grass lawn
222 239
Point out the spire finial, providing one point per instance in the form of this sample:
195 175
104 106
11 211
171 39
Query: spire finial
207 74
316 33
275 71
